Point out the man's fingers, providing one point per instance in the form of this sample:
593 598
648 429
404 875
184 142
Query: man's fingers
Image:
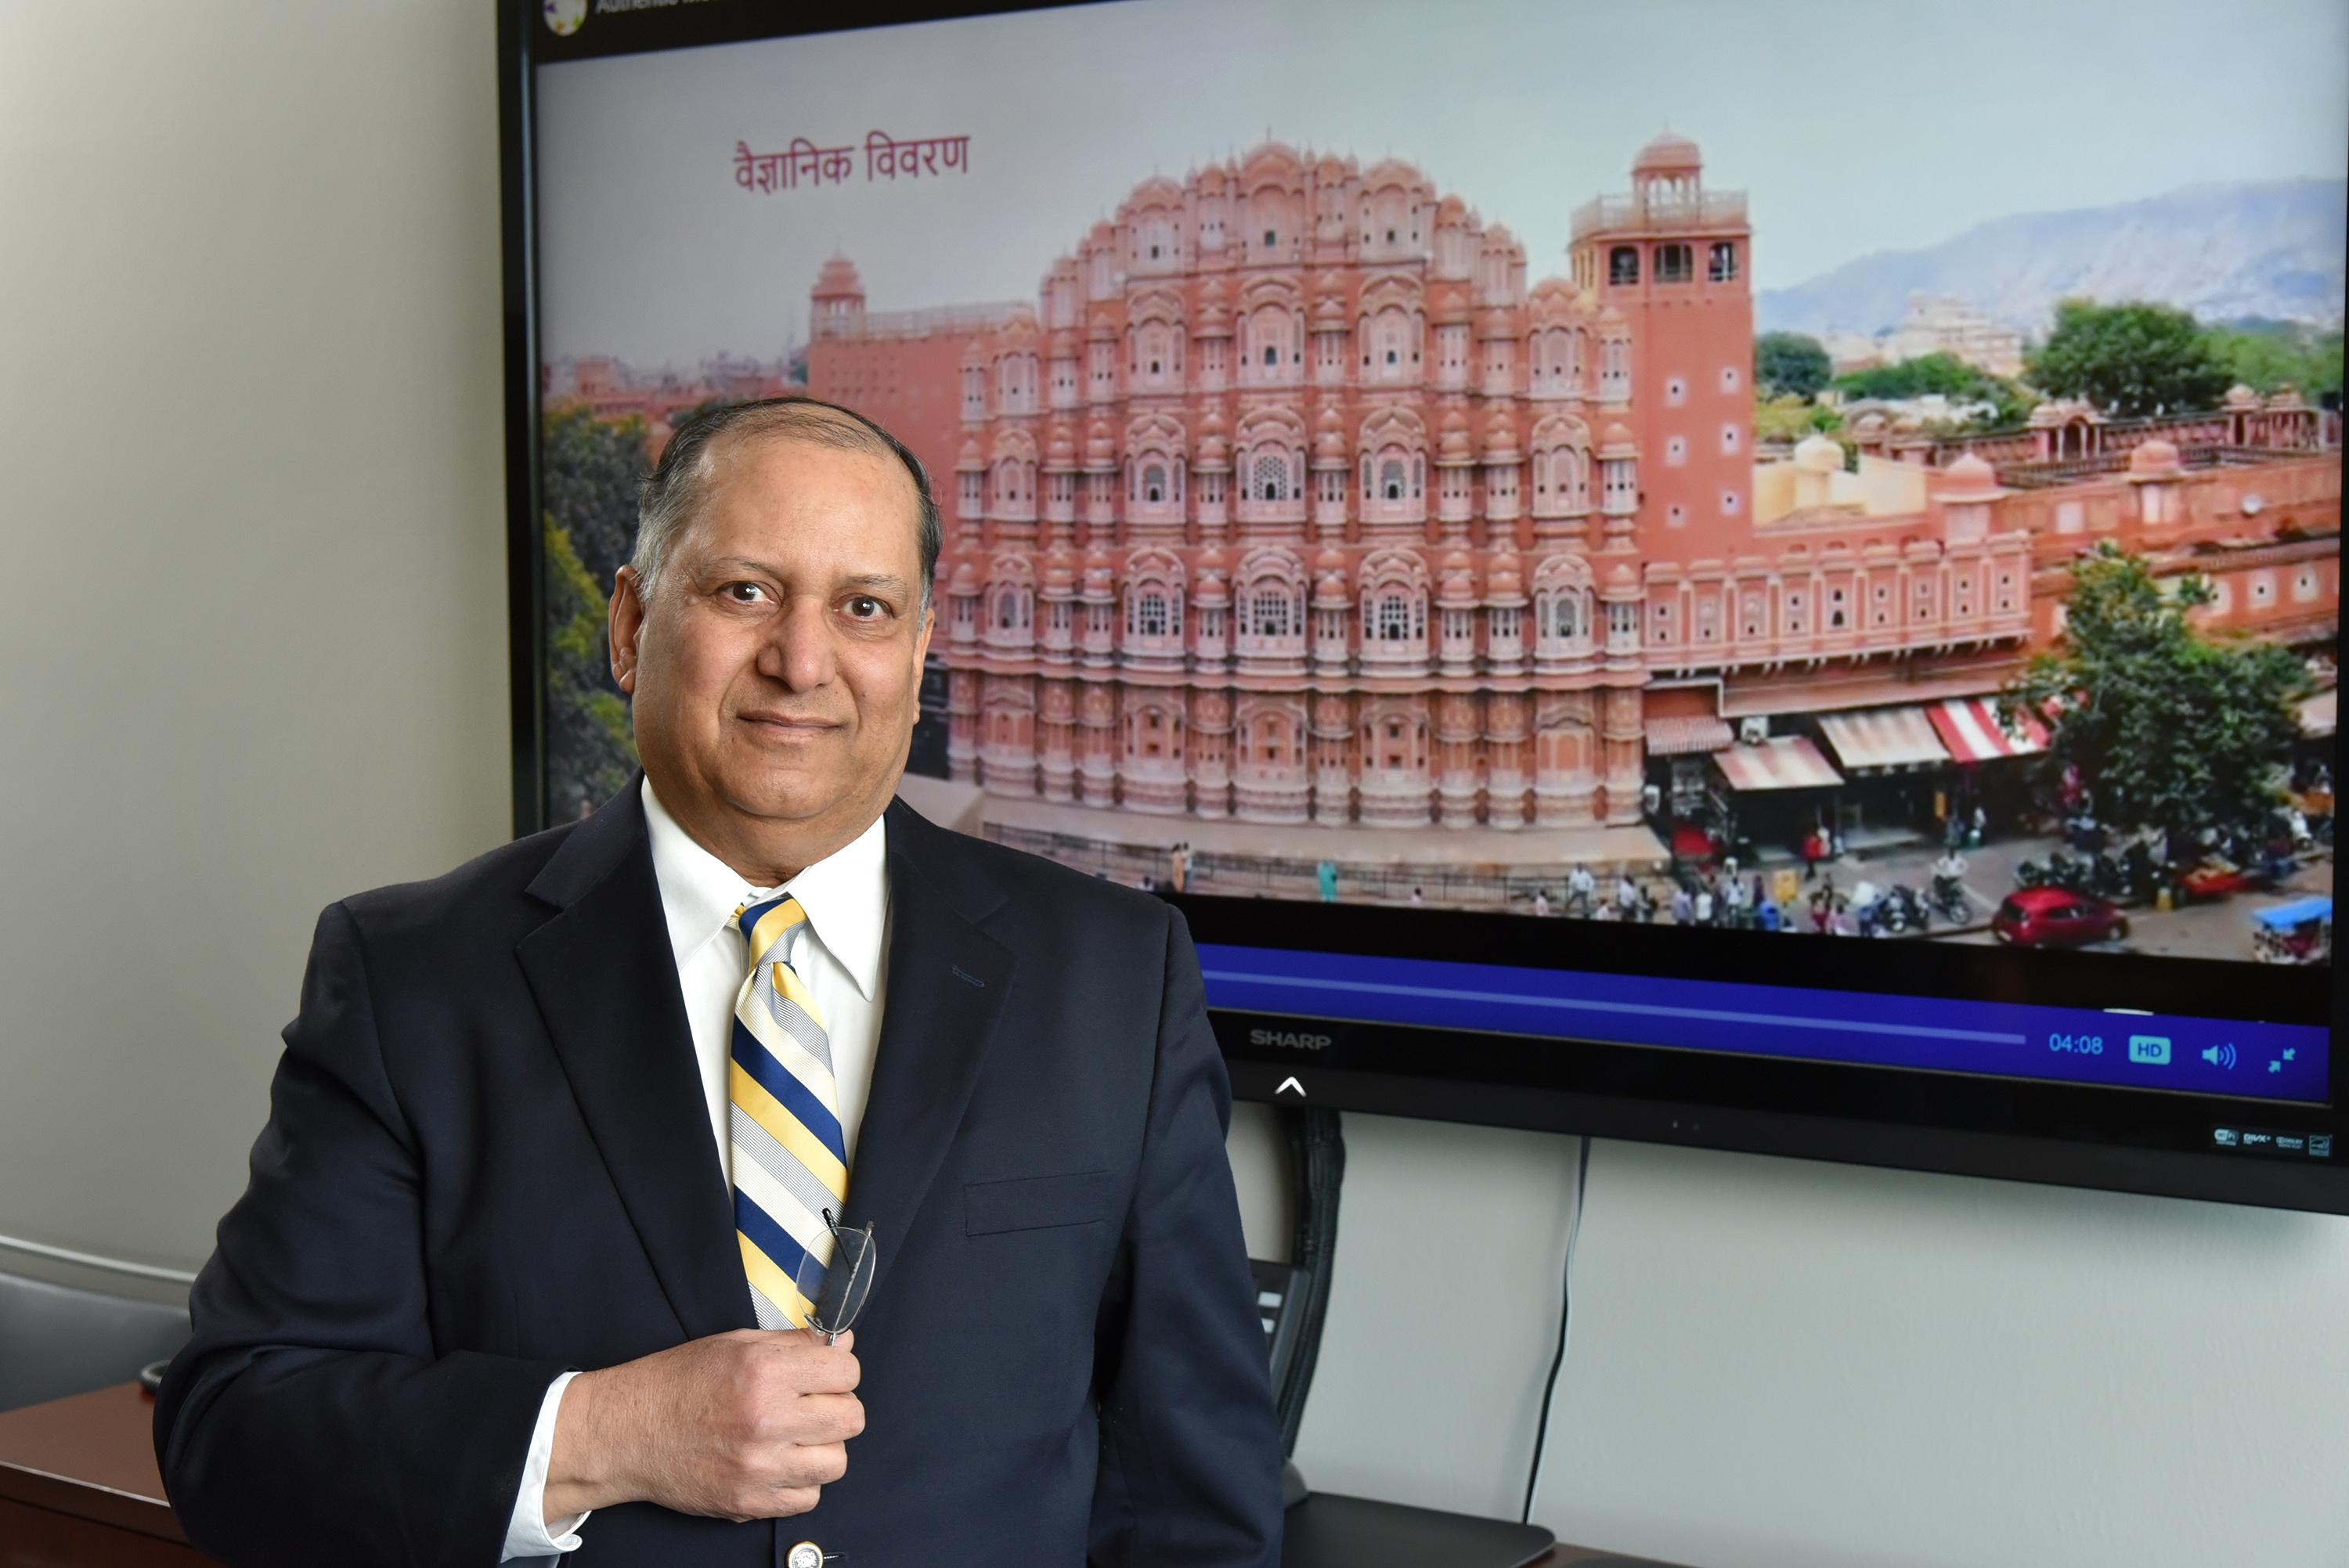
831 1418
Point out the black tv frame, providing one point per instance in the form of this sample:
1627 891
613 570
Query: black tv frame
2120 1140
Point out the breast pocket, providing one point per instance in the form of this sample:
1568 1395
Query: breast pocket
1035 1203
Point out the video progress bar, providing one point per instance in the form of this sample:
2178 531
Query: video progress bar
1639 1009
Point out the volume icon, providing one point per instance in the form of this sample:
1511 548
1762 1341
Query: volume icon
2219 1055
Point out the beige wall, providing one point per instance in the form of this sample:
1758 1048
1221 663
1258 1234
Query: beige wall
249 389
255 640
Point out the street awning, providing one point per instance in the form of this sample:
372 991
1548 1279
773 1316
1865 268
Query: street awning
1969 727
1781 762
1881 738
2316 906
1684 737
2320 714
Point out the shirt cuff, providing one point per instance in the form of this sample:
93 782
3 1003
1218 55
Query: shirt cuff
529 1534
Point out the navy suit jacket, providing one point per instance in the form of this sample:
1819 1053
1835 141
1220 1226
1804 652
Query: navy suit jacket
488 1160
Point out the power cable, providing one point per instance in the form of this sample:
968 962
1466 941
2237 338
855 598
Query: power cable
1565 1318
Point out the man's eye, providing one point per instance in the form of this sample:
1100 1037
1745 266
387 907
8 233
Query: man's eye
864 607
744 593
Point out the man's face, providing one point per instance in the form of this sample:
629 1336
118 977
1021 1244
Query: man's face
776 669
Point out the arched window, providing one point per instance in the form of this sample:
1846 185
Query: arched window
1149 612
1154 351
1271 477
1391 479
1394 618
1270 611
1623 264
1272 336
1564 621
1154 483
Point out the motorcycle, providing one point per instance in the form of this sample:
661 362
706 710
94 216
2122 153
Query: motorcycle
1949 900
2072 874
2107 878
1900 911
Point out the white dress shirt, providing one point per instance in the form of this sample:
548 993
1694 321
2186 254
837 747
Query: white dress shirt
844 960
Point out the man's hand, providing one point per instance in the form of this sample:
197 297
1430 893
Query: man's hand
743 1425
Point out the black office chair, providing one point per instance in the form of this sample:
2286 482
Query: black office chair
55 1340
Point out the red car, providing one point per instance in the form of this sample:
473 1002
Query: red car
2217 878
2052 917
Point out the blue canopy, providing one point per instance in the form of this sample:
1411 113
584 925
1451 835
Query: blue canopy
2299 911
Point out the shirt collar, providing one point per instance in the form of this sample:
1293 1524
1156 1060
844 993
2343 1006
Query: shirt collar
845 894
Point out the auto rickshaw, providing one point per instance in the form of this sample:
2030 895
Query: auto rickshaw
2300 932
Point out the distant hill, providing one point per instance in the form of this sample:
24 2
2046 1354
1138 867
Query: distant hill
2270 249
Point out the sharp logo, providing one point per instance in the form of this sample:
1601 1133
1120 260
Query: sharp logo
1289 1039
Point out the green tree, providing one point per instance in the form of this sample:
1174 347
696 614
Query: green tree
2267 355
2129 359
2010 405
1789 364
2173 730
588 471
590 745
1786 417
1928 374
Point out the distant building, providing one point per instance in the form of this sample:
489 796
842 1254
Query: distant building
1851 351
1939 323
612 389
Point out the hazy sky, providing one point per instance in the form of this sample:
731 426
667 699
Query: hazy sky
1860 129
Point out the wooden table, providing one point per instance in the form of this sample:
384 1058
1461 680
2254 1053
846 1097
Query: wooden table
79 1486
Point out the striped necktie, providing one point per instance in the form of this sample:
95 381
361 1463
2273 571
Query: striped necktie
790 1161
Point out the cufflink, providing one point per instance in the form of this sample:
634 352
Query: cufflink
806 1554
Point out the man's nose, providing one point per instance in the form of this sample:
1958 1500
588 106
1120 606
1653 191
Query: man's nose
800 654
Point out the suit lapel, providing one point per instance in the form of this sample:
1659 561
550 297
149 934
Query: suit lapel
606 981
945 992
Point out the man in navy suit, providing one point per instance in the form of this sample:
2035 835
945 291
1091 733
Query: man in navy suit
548 1131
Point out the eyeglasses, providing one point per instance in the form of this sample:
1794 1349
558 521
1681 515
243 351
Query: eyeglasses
835 1287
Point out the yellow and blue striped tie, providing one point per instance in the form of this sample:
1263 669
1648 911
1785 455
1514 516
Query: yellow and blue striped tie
791 1162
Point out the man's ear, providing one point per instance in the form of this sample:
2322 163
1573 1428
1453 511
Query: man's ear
626 625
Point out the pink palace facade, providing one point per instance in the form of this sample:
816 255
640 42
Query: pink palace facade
1292 502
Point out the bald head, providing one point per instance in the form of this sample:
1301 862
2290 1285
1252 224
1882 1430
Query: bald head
677 489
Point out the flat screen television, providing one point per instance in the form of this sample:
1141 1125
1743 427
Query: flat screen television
1643 570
